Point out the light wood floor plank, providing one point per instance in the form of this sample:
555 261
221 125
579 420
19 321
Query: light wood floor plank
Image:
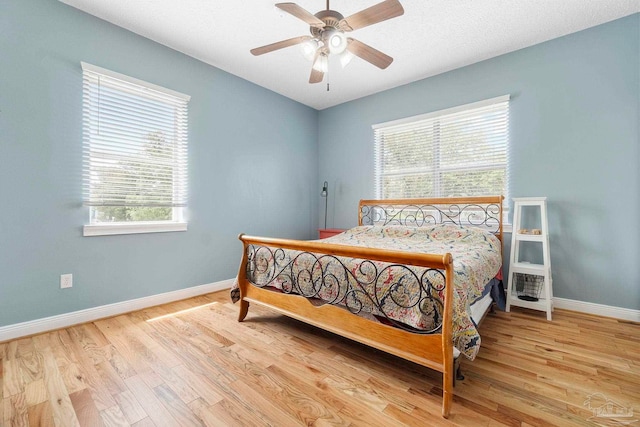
150 403
41 415
192 363
231 414
178 384
36 392
130 407
113 417
129 347
201 410
156 353
262 404
119 363
144 423
181 412
112 382
31 366
61 406
13 381
88 374
22 347
15 410
85 408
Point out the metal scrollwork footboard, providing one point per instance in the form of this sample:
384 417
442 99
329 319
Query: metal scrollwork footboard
362 286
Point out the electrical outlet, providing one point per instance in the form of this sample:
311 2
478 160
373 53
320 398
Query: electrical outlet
66 281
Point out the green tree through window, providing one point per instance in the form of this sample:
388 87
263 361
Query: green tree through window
149 172
135 149
457 152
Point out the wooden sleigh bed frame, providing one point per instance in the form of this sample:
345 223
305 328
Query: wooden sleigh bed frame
434 349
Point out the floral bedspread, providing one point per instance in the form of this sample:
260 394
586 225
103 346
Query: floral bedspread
391 293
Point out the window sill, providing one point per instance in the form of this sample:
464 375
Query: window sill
138 228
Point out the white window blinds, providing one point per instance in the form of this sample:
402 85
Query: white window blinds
134 142
462 151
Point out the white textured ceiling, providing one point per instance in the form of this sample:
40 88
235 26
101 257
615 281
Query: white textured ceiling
433 36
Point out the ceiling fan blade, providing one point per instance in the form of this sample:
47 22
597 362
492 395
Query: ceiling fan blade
377 13
279 45
316 76
300 13
368 53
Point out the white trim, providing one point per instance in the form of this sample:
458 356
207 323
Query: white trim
133 80
597 309
109 229
451 110
65 320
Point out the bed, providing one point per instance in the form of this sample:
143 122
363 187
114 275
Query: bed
412 279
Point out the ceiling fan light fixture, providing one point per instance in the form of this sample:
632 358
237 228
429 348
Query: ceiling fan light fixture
337 42
309 48
321 63
345 58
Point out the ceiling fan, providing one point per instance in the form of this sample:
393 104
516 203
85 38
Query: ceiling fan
328 29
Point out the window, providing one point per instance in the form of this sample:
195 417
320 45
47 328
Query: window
461 151
135 154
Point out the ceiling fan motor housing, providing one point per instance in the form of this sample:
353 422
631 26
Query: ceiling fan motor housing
331 35
331 19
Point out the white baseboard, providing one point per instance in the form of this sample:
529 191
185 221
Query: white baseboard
65 320
597 309
38 326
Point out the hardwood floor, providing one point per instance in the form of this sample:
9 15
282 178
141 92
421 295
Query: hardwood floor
191 363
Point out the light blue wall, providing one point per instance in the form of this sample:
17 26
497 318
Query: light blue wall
252 163
257 160
574 138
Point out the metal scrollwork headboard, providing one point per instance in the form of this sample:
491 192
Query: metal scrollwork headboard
483 212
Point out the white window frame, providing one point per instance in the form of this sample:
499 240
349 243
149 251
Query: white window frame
434 116
178 221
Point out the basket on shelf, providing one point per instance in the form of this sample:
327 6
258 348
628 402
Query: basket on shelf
528 286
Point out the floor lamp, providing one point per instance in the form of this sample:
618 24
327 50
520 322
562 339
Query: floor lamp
325 194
